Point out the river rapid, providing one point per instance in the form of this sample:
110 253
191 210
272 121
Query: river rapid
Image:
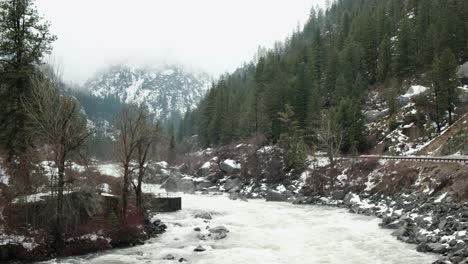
265 233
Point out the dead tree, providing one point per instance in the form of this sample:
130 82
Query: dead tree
55 120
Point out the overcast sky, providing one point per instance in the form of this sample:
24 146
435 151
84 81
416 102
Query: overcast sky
213 35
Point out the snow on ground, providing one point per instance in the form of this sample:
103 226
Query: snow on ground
15 239
440 198
319 162
373 179
105 188
32 198
232 163
4 178
162 164
152 188
266 233
206 165
415 90
110 169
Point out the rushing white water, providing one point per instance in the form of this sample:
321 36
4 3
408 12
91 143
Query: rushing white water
267 233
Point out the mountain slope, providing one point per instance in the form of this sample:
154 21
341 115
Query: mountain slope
165 91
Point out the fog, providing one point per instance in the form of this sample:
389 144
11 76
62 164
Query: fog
213 35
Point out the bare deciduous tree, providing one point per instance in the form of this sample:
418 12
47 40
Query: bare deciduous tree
56 121
129 124
147 136
330 138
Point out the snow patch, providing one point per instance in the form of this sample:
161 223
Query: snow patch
415 90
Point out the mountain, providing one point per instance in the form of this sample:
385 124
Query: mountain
380 76
166 91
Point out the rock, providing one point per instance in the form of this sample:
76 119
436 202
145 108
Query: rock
338 195
202 236
218 232
230 166
403 100
456 259
351 199
187 185
171 184
232 184
463 71
197 229
203 215
182 260
199 249
437 248
275 196
392 225
302 200
442 224
400 232
237 196
176 184
202 185
373 115
169 257
422 247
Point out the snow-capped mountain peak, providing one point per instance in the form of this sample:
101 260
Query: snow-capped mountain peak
164 90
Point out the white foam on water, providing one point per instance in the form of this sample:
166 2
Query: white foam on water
267 233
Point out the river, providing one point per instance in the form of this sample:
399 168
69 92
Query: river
266 233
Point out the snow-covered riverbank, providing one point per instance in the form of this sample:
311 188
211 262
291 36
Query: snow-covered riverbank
270 233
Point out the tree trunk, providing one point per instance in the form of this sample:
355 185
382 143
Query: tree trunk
125 193
138 193
59 209
450 116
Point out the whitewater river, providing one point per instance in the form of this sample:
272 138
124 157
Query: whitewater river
267 233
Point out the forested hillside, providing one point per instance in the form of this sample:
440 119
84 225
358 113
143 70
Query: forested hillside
327 70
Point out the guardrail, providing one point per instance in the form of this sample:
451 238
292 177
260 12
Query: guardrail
419 158
167 195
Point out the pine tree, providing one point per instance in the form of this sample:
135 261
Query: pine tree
440 94
447 80
293 138
403 55
384 60
24 40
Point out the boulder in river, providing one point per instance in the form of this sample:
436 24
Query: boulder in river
203 215
203 185
199 249
232 184
218 232
169 257
237 196
275 196
176 184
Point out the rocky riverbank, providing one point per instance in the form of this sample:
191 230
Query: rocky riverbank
424 203
435 224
